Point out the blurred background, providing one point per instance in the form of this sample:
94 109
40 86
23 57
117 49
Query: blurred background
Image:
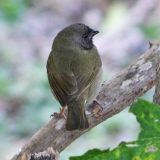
27 29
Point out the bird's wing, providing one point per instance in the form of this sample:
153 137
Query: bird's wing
63 85
85 80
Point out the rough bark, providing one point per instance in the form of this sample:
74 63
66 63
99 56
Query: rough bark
156 97
114 96
48 154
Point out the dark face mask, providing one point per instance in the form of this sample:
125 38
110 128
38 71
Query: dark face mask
87 39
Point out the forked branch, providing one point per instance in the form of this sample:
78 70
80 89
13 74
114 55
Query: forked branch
114 96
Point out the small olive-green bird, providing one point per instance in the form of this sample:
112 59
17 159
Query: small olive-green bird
74 72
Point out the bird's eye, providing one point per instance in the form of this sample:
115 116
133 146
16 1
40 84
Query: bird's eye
88 33
85 36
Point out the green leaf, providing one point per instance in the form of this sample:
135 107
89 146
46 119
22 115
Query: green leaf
147 147
138 150
148 115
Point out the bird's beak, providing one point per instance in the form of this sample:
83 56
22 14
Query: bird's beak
93 33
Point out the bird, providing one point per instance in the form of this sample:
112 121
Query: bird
74 70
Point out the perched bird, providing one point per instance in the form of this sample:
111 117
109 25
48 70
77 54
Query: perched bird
74 72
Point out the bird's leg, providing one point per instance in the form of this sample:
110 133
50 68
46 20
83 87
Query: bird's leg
61 114
96 109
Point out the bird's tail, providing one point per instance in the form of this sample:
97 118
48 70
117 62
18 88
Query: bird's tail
76 118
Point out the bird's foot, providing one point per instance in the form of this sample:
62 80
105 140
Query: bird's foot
61 114
96 109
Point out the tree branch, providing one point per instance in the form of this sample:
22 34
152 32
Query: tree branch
156 97
48 154
114 96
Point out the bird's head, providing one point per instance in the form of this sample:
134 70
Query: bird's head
78 34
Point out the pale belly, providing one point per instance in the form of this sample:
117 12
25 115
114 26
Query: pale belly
94 88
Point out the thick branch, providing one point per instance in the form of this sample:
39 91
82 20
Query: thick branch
48 154
156 97
114 96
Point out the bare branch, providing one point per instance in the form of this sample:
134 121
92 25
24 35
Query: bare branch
156 97
49 154
114 96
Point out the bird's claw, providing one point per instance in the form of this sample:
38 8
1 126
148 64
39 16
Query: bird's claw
62 114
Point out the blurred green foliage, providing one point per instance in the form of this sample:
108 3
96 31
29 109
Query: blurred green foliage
150 31
25 93
12 9
148 144
26 101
